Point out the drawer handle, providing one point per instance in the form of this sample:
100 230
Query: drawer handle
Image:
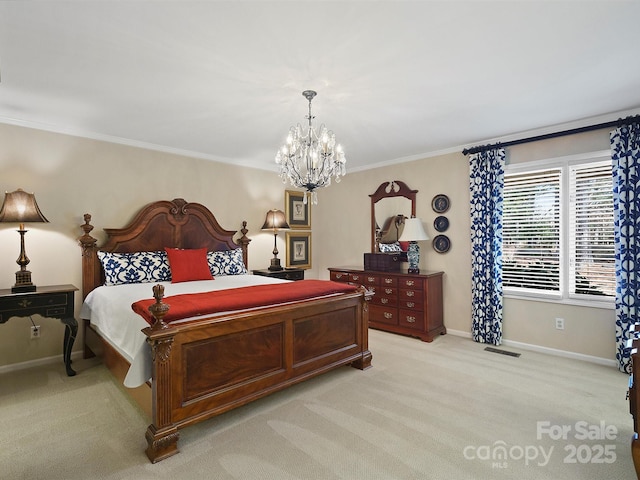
338 275
24 303
384 300
388 280
411 319
388 291
411 304
371 279
356 277
410 293
388 315
411 283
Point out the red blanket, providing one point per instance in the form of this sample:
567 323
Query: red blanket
195 304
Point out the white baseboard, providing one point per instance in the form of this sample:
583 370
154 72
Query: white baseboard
459 333
549 351
14 367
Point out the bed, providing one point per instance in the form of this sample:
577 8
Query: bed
187 371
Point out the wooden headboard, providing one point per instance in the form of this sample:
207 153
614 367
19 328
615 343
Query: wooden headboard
174 224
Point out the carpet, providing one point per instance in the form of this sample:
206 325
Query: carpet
444 410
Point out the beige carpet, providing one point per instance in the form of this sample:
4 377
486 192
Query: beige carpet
446 410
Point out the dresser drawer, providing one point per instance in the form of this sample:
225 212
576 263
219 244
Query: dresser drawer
410 304
411 319
411 295
339 276
387 281
369 279
27 303
380 314
410 283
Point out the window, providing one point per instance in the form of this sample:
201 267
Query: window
558 230
531 231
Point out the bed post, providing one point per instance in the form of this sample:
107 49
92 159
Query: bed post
162 435
90 274
364 361
244 243
90 270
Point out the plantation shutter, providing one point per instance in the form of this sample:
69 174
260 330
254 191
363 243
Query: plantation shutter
531 230
591 247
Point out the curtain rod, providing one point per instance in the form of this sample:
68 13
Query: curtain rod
546 136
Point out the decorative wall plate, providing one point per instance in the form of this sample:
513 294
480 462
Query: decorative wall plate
441 223
440 203
441 243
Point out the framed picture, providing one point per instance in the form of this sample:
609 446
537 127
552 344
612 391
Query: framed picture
297 212
298 249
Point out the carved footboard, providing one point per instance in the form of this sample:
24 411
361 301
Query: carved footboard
205 368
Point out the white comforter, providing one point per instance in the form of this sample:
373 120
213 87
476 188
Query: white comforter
109 310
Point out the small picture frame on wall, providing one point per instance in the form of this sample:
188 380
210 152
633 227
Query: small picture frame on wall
297 212
298 249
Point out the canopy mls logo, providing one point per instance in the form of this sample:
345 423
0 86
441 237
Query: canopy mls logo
500 454
584 443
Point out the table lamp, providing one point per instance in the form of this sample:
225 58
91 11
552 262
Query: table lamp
413 232
275 221
21 207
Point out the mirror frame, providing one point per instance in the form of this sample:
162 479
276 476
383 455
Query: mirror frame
395 188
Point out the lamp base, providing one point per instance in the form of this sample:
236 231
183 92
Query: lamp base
413 255
23 282
275 264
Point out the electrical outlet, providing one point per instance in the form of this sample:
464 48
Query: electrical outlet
560 323
35 331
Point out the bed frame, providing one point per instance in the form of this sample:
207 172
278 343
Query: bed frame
207 367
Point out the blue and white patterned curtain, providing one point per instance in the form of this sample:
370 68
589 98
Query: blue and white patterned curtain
486 184
625 156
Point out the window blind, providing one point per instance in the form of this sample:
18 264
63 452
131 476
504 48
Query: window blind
591 244
531 230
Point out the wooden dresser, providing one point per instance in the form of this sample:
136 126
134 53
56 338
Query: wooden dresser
634 394
410 304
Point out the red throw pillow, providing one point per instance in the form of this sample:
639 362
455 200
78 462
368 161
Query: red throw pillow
188 265
404 246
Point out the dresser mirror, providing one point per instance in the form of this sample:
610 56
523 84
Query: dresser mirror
391 203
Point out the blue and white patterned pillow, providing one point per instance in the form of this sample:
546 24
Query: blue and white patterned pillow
390 247
227 262
136 267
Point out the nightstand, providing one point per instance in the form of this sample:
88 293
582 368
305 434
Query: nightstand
287 273
51 302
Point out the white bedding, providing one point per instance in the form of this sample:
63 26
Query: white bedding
109 310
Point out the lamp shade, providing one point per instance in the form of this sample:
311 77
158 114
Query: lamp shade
275 220
21 207
413 231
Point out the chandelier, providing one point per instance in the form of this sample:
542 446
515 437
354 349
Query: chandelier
309 159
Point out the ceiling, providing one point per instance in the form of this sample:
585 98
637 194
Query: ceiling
396 80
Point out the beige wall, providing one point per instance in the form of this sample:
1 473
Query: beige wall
347 209
71 176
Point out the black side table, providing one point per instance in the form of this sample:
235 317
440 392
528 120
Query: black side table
286 273
54 301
